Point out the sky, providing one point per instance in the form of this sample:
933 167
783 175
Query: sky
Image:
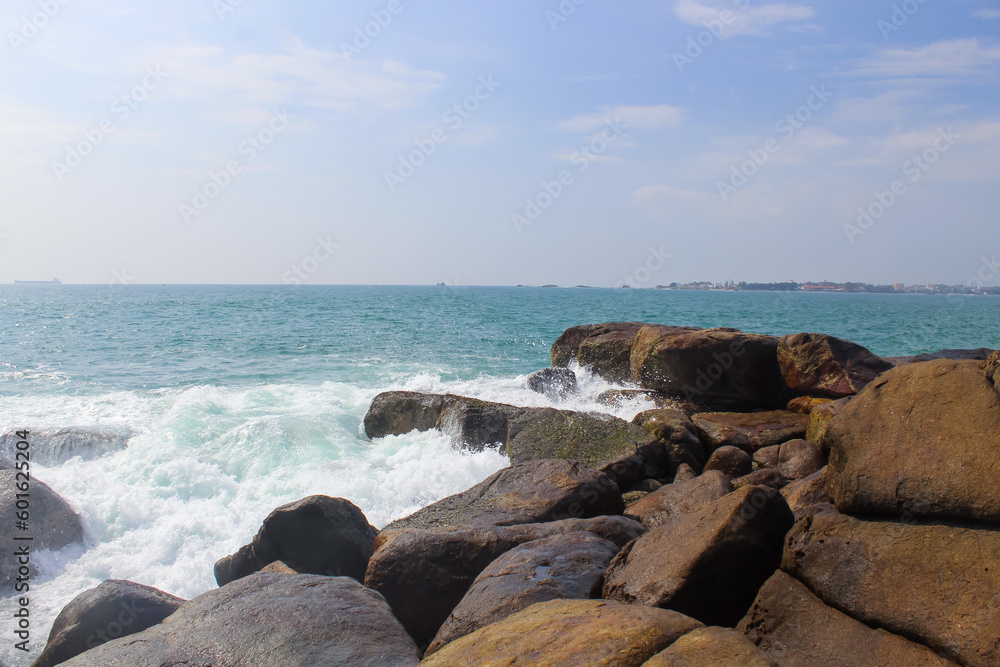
499 143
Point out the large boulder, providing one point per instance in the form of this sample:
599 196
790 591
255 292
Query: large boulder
315 535
269 619
674 500
624 451
711 647
569 566
732 461
51 522
474 423
808 492
569 632
604 348
923 439
710 363
978 354
556 383
98 615
799 458
820 364
424 574
794 627
679 436
708 563
532 492
820 419
935 584
750 431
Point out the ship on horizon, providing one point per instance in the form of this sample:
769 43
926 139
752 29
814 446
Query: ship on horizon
54 281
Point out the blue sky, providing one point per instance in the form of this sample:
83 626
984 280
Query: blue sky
586 142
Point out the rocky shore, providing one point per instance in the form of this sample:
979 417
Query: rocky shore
792 501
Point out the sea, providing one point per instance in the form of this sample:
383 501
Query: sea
175 418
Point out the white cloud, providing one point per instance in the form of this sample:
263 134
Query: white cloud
987 14
630 117
652 192
946 59
748 21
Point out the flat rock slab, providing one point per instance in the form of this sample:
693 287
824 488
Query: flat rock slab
924 439
315 535
936 584
569 632
532 492
603 442
111 610
424 574
794 627
711 647
750 431
709 563
827 366
569 566
675 500
269 619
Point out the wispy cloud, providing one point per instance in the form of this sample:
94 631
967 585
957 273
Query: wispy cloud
987 14
952 59
632 117
749 21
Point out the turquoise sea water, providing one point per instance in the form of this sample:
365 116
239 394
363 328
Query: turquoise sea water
174 419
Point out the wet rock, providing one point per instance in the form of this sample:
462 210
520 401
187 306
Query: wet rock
605 443
52 524
55 446
555 383
399 412
424 574
532 492
569 632
674 500
112 610
474 423
604 348
315 535
820 364
569 566
933 584
750 431
709 363
805 404
709 563
794 627
799 458
924 439
731 461
679 436
617 398
268 619
710 647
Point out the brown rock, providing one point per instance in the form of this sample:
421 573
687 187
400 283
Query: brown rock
569 632
710 363
423 574
821 364
679 498
991 368
750 431
399 412
679 436
556 383
617 398
819 422
569 566
732 461
711 647
684 473
532 492
799 458
923 439
934 584
708 563
767 457
604 348
769 477
794 627
805 404
978 354
279 567
806 492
